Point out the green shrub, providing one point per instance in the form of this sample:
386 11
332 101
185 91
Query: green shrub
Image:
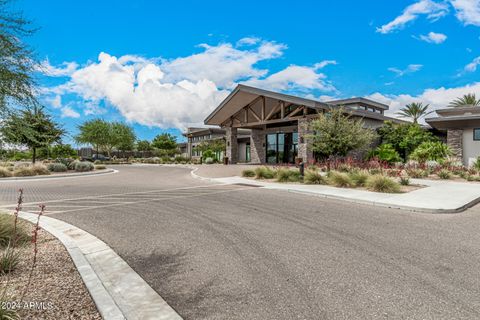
359 177
208 154
314 177
417 173
40 169
24 172
444 174
431 150
404 181
340 179
264 173
57 167
386 152
6 231
380 183
249 173
209 160
97 162
312 167
9 260
84 166
100 167
287 175
72 164
5 172
181 159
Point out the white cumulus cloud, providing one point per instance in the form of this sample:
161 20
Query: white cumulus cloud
181 92
437 98
65 69
472 66
411 68
467 11
433 37
433 11
68 112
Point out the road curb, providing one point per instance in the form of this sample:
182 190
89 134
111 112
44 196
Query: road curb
57 176
117 290
359 201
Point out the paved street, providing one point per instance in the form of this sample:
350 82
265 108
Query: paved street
240 252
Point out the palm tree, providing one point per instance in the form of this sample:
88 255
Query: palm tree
466 100
414 110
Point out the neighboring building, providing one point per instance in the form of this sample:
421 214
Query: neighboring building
462 125
197 136
278 123
182 149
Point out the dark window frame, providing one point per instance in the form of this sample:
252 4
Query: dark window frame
475 139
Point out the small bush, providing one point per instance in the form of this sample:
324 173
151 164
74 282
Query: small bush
84 166
72 165
340 179
287 175
6 231
5 172
209 161
312 167
97 162
264 173
100 167
24 172
40 169
57 167
429 150
314 177
444 174
476 164
249 173
359 178
386 152
9 260
417 173
404 181
379 183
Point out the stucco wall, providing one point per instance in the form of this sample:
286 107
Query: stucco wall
471 148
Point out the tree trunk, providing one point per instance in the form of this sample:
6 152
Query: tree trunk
34 155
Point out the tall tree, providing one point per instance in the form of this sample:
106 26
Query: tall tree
143 146
466 100
95 132
123 137
336 133
166 143
17 62
31 127
415 111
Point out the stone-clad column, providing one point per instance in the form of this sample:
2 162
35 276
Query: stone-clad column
232 144
257 146
455 142
304 148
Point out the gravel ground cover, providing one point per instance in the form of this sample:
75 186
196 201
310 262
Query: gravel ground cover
56 290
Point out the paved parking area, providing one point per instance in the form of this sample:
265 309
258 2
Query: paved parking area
240 252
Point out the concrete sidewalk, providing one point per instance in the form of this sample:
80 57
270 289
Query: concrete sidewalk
436 197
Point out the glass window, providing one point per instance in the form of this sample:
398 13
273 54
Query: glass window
476 134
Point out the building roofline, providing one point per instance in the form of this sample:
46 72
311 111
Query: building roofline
270 94
360 100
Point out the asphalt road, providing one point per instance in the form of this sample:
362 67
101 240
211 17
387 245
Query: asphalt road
240 252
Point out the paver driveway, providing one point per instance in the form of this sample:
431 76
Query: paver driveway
239 252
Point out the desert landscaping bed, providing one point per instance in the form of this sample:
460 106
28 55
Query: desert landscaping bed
56 290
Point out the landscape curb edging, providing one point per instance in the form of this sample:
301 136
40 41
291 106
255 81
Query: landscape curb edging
117 290
336 197
69 175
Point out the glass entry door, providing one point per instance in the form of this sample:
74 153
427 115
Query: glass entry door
282 147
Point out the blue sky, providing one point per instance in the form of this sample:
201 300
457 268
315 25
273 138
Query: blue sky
162 66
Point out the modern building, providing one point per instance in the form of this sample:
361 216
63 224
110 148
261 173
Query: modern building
278 123
197 136
462 125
